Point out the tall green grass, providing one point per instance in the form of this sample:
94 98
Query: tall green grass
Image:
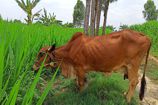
19 45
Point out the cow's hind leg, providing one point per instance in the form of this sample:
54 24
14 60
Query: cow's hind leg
133 74
133 81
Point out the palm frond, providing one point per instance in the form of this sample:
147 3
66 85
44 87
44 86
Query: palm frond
34 3
37 14
21 5
26 20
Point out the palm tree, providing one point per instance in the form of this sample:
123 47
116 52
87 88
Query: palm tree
98 14
86 20
93 17
105 7
27 7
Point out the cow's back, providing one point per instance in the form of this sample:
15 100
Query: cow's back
97 52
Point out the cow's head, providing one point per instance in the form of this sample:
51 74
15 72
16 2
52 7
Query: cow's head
46 53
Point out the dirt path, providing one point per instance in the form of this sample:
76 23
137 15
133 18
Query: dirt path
151 94
153 58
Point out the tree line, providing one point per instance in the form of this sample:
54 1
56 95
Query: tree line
86 16
93 14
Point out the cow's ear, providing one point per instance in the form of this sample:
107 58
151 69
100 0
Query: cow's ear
52 48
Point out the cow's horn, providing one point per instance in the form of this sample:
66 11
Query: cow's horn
51 48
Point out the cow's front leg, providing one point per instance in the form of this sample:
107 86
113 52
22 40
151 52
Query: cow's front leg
81 79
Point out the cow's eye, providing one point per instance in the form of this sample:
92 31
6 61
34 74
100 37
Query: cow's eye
41 54
50 59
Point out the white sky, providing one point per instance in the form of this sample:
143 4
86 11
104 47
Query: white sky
121 12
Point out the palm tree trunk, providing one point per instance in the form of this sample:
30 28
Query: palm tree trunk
86 20
29 20
92 25
105 15
98 16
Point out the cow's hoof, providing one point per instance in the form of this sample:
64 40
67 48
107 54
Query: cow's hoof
128 100
79 88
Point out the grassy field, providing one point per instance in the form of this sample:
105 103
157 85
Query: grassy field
19 45
100 90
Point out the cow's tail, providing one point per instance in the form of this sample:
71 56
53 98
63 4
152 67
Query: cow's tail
143 81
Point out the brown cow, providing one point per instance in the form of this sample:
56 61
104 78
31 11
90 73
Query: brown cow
107 53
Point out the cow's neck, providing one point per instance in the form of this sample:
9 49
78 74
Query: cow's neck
59 53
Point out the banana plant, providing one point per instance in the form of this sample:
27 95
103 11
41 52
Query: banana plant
27 6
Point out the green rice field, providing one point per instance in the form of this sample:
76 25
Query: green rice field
19 45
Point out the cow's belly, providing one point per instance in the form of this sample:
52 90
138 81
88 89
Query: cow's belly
108 60
104 66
